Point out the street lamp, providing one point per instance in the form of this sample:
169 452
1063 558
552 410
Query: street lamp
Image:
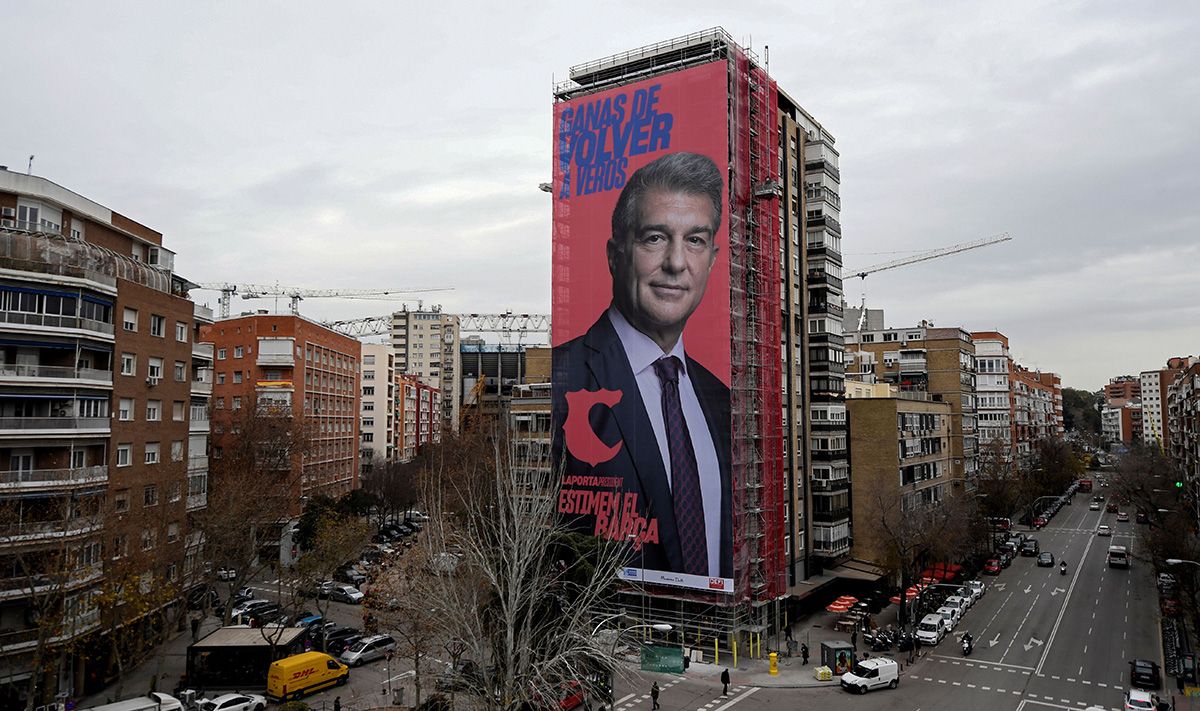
1180 561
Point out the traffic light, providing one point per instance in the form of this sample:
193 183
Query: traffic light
1178 484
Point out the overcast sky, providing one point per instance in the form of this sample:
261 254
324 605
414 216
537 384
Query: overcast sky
397 144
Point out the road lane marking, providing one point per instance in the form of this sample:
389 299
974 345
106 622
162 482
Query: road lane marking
1023 621
956 683
738 699
1066 602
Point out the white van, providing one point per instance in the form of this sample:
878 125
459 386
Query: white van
931 629
154 701
872 673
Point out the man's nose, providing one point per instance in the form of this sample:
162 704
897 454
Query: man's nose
674 257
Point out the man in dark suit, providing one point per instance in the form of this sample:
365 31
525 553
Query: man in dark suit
634 415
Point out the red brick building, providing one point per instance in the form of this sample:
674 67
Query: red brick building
418 415
288 362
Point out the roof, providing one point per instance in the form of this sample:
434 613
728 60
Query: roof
238 636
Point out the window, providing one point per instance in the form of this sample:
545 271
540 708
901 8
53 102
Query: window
128 364
237 377
125 409
121 501
130 319
152 453
368 422
368 407
181 330
78 459
369 390
220 378
177 452
220 403
175 493
220 354
368 375
158 325
148 539
156 368
236 404
173 568
368 360
124 455
238 351
150 495
172 532
177 411
180 371
120 546
153 410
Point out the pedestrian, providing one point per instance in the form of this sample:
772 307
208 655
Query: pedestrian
854 639
725 682
654 695
917 645
804 654
195 627
337 704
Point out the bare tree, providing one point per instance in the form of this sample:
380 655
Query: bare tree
255 471
404 600
396 484
336 541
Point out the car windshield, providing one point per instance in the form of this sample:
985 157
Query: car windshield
927 627
1140 704
359 647
860 670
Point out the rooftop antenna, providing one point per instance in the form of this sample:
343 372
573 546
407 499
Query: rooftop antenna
29 170
767 57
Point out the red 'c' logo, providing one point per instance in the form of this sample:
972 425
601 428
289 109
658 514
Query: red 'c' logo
582 442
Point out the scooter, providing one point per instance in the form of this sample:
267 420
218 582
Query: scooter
967 646
1062 568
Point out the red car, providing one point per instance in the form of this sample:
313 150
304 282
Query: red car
1039 522
992 567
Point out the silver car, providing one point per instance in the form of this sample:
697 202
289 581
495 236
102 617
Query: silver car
368 649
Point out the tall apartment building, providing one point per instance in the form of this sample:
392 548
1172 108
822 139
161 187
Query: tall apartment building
418 408
938 361
1121 422
994 396
378 425
900 447
427 346
786 455
1183 424
1037 408
97 368
286 363
1153 386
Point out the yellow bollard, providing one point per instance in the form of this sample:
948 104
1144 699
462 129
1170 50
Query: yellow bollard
734 651
716 652
774 664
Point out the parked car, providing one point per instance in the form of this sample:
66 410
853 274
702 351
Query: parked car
977 588
872 673
351 575
1138 700
336 636
1144 674
234 702
931 629
226 574
368 649
200 598
992 567
247 606
959 602
346 593
1039 522
951 615
1045 559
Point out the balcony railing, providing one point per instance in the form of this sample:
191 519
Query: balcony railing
203 351
202 382
49 478
831 515
62 372
197 501
24 531
197 464
22 318
27 585
830 484
831 548
27 424
276 359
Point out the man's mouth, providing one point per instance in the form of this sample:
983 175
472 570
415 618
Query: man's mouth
670 290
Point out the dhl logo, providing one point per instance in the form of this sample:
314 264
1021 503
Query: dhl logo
303 673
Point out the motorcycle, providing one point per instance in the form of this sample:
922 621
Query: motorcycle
967 646
1062 568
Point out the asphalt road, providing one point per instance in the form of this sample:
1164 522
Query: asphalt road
1043 640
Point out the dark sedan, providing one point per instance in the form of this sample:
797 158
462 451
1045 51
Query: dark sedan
1143 673
1045 560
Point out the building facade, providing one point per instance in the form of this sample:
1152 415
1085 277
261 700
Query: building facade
1156 430
995 399
1121 423
1122 388
378 425
426 344
97 375
419 414
286 363
1183 418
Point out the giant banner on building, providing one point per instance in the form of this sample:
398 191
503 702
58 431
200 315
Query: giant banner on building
641 323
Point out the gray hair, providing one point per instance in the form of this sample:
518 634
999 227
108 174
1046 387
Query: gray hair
688 173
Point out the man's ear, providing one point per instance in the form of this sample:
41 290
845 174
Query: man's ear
613 250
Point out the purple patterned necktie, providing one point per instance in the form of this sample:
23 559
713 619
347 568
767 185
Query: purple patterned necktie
685 476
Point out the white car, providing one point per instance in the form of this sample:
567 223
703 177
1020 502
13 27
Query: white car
226 574
962 603
234 702
951 614
977 588
1138 700
1103 530
244 607
343 592
1094 506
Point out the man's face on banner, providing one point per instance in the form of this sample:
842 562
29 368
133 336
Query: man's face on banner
660 269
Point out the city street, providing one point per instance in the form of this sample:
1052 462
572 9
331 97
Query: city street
1043 640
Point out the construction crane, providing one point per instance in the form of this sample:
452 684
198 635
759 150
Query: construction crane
919 257
507 322
295 293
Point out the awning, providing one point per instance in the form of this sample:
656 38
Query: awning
854 569
805 588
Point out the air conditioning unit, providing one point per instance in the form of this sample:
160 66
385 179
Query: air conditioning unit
152 381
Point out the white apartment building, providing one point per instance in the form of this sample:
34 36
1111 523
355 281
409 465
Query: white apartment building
426 344
994 393
1152 407
377 426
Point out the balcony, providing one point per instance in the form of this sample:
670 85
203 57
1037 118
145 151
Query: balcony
202 351
830 485
197 501
29 426
819 278
197 464
41 584
825 308
275 360
826 455
34 531
38 479
198 420
40 374
831 548
202 382
832 515
21 318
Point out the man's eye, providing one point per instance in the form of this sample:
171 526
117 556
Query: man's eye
652 239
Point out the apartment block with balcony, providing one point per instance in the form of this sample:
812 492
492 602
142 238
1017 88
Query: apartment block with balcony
900 447
1156 429
95 371
286 365
426 344
1183 425
937 361
378 425
419 412
994 399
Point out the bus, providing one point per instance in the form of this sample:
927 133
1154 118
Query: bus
1085 485
1118 557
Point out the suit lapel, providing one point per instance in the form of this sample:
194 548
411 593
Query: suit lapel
610 367
715 402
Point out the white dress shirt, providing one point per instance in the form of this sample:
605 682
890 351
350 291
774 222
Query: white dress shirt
642 353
